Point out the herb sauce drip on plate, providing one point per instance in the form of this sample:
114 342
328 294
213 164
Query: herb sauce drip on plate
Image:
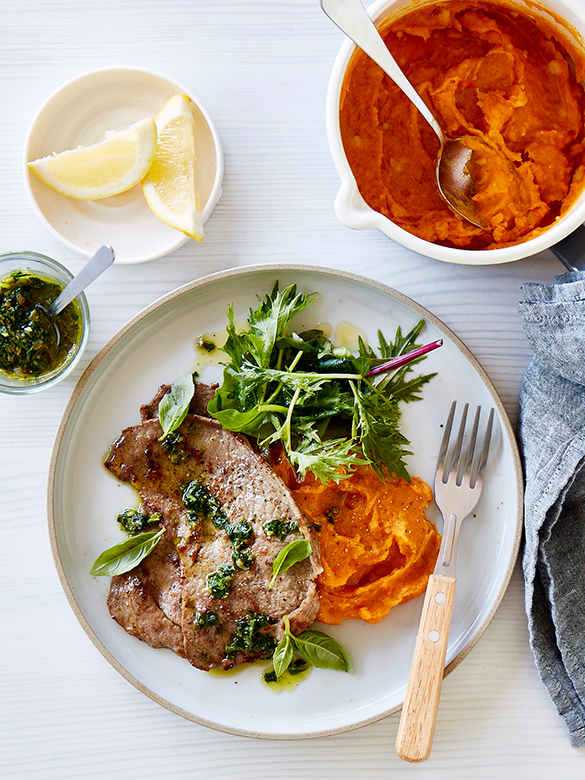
28 347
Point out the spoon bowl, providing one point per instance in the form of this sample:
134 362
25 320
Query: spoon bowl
455 182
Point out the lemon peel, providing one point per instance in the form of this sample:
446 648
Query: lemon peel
104 169
169 187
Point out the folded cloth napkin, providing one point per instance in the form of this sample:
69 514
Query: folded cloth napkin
552 439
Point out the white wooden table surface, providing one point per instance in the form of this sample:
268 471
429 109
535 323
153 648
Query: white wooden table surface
261 68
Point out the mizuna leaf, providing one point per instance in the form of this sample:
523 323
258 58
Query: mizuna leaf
126 555
325 459
328 407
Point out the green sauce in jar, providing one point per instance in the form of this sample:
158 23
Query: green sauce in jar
28 347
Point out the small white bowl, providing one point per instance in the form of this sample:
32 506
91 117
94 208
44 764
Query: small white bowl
352 210
79 113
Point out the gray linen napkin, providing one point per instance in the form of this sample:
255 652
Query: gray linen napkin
552 439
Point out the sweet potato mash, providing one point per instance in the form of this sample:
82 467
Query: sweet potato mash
377 547
488 70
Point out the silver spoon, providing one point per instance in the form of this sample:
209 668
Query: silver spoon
102 259
455 182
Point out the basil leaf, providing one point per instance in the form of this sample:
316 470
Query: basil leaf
282 657
174 404
323 651
293 553
126 555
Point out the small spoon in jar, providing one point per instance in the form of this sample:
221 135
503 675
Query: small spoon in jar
454 179
102 259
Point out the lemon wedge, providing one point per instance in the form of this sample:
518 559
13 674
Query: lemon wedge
169 186
104 169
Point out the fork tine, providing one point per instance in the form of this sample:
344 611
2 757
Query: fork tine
441 460
456 469
467 474
485 451
463 465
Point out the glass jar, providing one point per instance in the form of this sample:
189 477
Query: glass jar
15 380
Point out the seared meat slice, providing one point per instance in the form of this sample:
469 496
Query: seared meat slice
147 600
230 615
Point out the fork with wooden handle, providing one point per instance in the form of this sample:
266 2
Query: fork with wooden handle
458 484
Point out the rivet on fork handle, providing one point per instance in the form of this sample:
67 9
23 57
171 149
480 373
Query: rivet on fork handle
419 712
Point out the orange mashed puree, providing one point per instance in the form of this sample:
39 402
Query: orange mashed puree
377 547
487 70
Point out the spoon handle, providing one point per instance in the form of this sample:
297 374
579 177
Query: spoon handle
352 18
93 268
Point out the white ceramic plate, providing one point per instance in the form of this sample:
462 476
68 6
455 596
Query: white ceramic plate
157 346
79 113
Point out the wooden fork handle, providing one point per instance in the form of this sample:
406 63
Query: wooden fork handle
419 712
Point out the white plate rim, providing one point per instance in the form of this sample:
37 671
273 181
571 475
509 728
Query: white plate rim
508 434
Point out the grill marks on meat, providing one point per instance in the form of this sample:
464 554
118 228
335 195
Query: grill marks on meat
160 599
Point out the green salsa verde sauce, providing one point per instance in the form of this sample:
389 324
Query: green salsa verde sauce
28 347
